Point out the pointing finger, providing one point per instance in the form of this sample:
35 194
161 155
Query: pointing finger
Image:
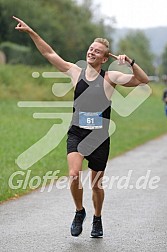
113 56
17 19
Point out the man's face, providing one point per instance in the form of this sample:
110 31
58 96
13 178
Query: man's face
96 54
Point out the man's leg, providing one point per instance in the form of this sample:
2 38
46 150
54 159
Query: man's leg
98 198
75 166
97 191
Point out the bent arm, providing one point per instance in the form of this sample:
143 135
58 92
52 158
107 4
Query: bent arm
43 47
138 77
129 80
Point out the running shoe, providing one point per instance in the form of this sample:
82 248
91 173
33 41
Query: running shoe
76 227
97 228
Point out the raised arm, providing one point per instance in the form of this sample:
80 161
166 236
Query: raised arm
129 80
44 48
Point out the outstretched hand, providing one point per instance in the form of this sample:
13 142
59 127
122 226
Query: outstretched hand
21 26
122 59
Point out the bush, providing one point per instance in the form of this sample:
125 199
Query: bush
15 53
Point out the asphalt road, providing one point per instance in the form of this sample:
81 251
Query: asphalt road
134 213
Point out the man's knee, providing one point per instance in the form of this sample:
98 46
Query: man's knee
97 186
73 173
97 182
75 178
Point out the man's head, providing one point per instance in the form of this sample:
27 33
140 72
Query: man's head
98 52
104 42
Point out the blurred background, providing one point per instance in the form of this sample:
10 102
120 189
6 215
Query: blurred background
133 27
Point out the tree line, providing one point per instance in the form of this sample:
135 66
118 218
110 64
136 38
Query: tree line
69 27
65 25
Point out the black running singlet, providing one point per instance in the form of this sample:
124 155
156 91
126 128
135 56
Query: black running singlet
91 105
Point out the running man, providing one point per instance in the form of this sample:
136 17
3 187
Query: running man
88 134
165 100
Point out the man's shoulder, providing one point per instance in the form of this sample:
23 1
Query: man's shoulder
74 68
74 72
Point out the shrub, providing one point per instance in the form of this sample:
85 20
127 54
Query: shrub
15 53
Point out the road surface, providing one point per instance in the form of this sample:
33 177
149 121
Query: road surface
134 212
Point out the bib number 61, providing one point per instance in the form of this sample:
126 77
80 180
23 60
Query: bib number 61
90 120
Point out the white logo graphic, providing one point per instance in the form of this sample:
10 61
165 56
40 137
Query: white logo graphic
124 106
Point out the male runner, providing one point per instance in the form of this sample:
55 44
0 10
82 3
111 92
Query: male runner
88 134
165 100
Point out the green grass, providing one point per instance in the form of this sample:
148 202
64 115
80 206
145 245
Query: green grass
19 130
145 123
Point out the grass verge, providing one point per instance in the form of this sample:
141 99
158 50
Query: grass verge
19 130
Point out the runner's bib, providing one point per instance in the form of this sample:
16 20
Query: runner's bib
90 120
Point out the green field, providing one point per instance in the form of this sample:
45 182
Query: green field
19 130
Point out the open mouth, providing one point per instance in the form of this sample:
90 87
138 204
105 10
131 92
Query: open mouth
91 57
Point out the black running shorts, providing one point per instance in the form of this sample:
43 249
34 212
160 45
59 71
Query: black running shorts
97 160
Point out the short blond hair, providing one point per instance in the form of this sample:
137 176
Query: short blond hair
104 42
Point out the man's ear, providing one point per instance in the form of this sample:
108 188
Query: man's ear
105 59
